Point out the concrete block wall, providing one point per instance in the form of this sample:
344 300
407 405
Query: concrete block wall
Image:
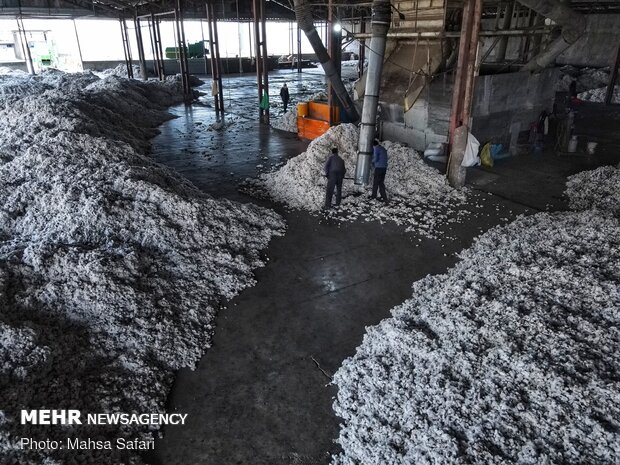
506 104
598 46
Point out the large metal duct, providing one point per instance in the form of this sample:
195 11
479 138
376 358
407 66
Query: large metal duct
303 12
381 18
573 27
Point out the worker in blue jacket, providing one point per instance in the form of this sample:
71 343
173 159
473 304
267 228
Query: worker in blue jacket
380 162
334 172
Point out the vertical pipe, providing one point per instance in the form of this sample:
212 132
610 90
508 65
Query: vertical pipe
265 56
381 18
140 44
77 39
329 31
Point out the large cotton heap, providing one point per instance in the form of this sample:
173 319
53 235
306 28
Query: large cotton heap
599 188
111 267
508 358
420 197
598 95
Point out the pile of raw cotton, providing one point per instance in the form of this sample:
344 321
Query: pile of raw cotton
596 189
598 95
111 267
585 78
287 122
420 197
510 357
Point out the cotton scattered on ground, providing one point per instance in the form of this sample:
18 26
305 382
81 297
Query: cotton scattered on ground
509 357
111 267
420 197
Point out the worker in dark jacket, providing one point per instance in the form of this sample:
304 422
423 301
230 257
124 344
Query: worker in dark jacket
285 96
334 172
380 162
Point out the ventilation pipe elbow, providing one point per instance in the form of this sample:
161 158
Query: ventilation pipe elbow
303 13
573 27
381 19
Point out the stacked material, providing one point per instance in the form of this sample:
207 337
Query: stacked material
509 357
111 266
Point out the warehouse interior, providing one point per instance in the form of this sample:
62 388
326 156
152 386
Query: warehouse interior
167 247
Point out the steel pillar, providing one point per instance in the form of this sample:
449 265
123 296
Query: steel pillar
126 47
361 56
506 23
24 39
298 49
612 79
181 48
462 95
216 61
141 56
262 66
77 39
158 62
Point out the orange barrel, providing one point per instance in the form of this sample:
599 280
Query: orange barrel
302 109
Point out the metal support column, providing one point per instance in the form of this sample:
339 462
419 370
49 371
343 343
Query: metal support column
77 39
506 23
25 47
140 43
298 49
458 91
612 79
126 48
181 48
158 48
471 63
216 62
262 69
361 56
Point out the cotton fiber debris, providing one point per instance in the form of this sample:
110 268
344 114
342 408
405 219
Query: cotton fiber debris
510 357
586 78
287 122
420 197
598 95
111 267
596 189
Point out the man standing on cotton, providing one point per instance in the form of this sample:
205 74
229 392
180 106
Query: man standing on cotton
380 162
334 172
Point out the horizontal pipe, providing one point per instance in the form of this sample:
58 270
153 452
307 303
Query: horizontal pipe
452 34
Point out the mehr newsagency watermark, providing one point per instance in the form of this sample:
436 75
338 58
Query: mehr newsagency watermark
75 417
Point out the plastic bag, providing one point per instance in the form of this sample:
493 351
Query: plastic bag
471 152
485 156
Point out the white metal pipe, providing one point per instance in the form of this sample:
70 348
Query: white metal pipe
381 18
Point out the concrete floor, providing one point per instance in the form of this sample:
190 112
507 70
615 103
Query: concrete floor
261 394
